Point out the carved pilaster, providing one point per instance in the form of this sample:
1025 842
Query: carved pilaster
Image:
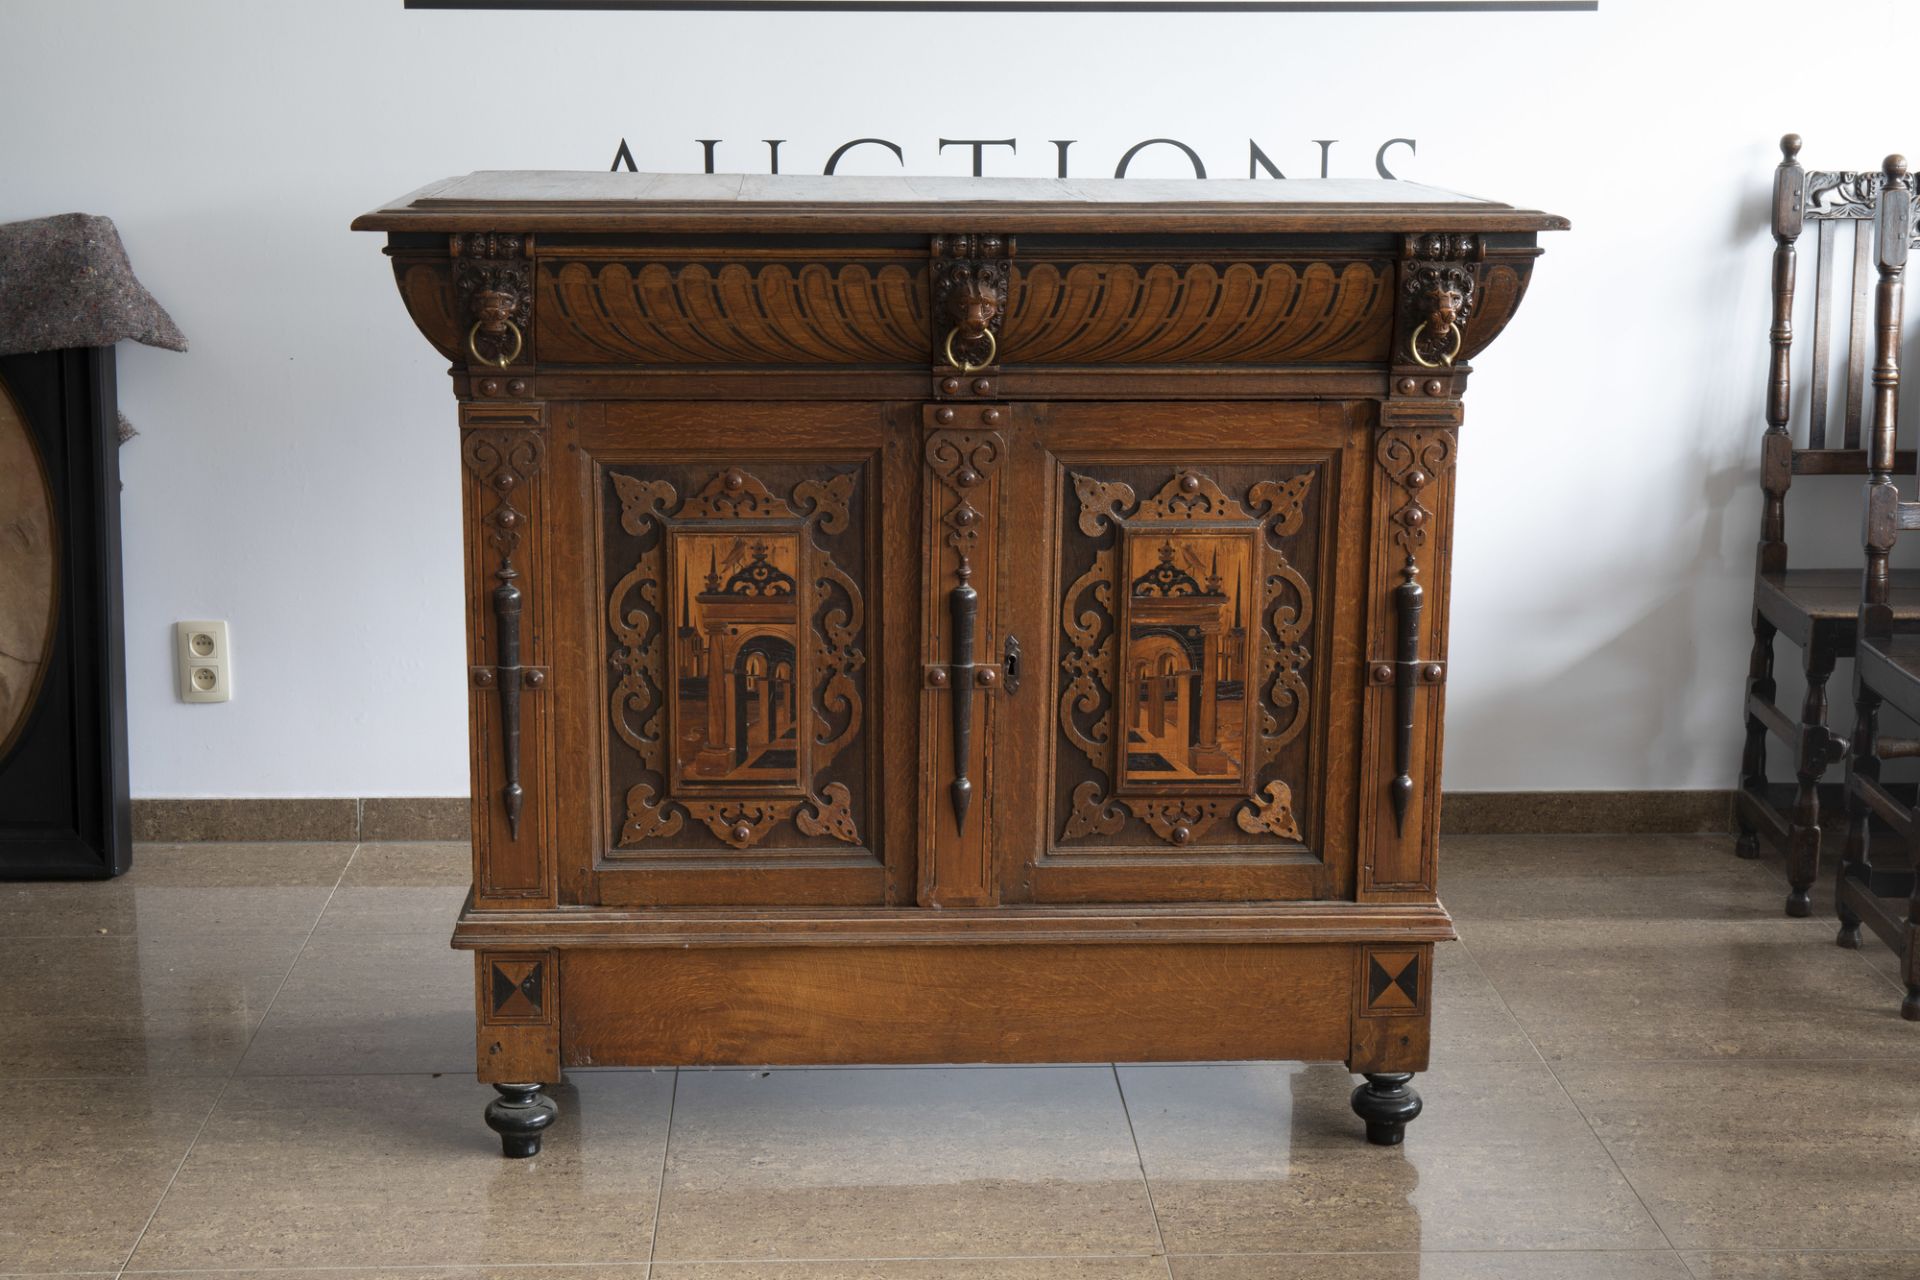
504 461
1406 675
503 449
963 461
968 284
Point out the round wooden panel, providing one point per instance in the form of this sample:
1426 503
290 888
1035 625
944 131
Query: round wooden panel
29 577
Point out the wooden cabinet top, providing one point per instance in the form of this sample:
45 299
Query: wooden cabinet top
566 200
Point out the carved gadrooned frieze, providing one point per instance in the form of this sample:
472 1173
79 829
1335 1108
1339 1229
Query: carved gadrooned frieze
968 283
737 654
1185 656
493 291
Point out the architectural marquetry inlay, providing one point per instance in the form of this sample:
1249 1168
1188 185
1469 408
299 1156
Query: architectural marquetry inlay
738 653
1184 656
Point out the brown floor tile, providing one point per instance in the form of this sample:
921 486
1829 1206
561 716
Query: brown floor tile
1470 1020
1804 1266
402 888
1538 1265
922 1269
205 888
901 1163
1763 1155
1637 877
399 1170
169 1003
1882 959
1629 989
83 1163
359 1002
1269 1158
616 1271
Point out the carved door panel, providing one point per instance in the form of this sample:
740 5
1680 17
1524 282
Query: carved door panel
1190 630
733 624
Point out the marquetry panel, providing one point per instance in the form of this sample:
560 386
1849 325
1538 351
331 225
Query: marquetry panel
516 987
735 598
1189 623
1393 981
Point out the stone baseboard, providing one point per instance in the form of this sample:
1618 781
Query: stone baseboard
292 818
1469 813
446 817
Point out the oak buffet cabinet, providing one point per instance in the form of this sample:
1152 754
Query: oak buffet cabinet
920 620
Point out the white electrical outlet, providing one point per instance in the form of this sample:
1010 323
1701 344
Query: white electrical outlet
204 661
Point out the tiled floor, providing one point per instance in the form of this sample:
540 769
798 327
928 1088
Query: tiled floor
255 1059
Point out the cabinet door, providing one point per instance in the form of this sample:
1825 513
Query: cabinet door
1188 617
732 645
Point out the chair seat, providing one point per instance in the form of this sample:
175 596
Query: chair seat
1835 593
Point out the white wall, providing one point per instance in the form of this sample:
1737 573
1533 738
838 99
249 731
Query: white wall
297 471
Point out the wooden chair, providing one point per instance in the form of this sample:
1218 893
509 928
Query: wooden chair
1813 608
1886 667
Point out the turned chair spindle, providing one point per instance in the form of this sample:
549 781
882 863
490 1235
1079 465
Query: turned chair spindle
1887 660
1812 608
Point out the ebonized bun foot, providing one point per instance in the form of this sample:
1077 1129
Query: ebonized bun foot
1910 1007
519 1115
1799 904
1386 1102
1747 846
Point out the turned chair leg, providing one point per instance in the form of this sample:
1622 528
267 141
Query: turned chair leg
519 1115
1386 1102
1753 758
1910 1007
1855 862
1814 754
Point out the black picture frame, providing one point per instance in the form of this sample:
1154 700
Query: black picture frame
64 809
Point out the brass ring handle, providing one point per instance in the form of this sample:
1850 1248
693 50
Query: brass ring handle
1459 340
993 351
519 341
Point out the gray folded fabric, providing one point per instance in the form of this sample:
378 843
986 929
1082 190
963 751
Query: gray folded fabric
65 282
